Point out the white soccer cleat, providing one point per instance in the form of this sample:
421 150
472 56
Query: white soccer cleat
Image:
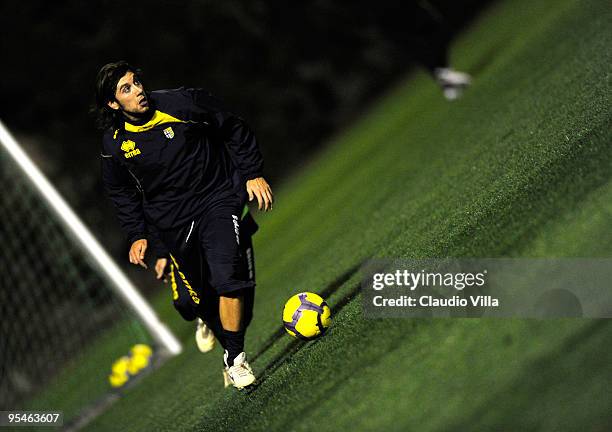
452 82
226 379
205 338
240 374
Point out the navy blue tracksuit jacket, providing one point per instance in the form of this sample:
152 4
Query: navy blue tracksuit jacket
161 172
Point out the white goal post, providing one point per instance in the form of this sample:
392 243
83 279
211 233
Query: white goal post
109 269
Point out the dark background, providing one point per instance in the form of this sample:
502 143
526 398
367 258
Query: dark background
297 71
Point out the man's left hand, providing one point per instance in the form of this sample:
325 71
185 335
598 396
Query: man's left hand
259 188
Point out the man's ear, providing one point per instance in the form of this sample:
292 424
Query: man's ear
113 105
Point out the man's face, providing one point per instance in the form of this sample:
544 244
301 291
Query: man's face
130 96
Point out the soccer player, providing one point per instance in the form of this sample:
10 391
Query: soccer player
178 168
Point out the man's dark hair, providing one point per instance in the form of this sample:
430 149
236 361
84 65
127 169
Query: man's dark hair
106 85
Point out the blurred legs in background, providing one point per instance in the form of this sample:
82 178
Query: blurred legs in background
424 34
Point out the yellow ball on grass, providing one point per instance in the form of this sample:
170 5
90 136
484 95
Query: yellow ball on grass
306 316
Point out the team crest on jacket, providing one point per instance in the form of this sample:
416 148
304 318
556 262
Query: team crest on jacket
169 133
129 147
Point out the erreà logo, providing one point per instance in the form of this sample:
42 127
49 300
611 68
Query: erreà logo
129 147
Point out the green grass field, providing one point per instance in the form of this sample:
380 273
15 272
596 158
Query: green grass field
519 167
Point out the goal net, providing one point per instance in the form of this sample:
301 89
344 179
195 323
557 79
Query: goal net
67 312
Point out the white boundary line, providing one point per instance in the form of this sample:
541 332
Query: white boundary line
119 281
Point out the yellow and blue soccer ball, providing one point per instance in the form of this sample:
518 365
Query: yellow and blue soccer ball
306 316
127 366
140 357
119 372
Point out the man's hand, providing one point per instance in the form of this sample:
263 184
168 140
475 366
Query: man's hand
259 188
137 252
160 266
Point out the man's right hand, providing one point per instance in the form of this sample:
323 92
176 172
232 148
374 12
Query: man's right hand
137 252
160 267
